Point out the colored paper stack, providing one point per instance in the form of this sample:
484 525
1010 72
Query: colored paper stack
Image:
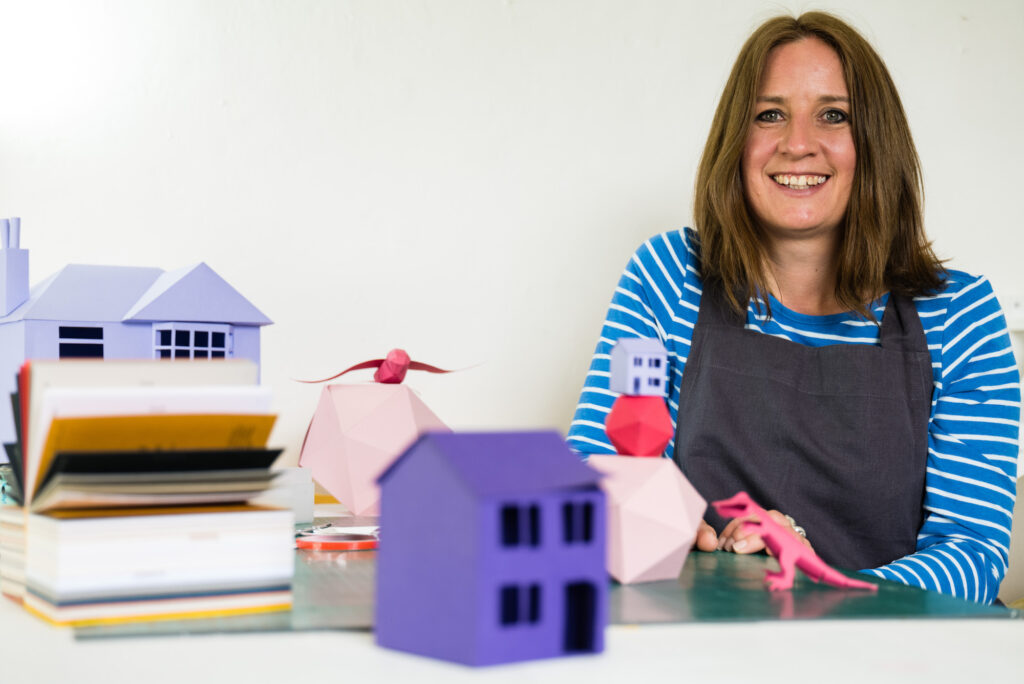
136 477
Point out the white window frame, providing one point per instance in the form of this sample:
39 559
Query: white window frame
194 345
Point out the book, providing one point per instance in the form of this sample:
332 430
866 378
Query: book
136 480
98 566
155 478
12 551
135 418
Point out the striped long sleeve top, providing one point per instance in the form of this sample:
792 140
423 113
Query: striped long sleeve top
970 482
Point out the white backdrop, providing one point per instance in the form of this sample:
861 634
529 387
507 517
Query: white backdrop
461 178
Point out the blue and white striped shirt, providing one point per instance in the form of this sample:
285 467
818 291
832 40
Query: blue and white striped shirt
970 483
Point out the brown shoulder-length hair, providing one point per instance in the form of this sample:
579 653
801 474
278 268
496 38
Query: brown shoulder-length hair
883 245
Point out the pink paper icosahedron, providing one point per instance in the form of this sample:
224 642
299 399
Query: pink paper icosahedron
639 425
356 432
654 514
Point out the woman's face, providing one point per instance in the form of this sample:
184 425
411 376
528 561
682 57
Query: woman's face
799 158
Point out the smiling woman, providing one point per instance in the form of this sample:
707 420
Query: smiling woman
821 358
799 159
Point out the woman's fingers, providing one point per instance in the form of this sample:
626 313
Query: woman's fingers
706 540
736 539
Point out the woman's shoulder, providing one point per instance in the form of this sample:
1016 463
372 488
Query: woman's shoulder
958 285
675 252
962 299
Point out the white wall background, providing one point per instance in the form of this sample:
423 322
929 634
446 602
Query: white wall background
461 178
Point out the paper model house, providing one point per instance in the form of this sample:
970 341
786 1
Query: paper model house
116 312
653 517
492 550
356 432
638 367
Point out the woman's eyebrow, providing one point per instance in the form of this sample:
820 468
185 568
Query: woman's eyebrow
778 99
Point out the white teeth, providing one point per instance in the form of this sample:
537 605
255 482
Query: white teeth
801 182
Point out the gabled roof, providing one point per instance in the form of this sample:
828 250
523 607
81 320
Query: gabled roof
194 293
80 292
505 463
639 345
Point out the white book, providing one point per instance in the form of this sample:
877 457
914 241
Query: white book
101 555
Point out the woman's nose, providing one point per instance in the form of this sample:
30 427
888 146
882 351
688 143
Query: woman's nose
798 138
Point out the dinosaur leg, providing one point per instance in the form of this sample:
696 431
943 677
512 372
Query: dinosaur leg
783 579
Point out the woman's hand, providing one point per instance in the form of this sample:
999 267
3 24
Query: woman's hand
735 539
706 540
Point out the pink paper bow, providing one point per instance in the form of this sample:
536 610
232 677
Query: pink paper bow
390 370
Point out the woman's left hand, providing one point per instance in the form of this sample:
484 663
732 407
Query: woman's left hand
736 539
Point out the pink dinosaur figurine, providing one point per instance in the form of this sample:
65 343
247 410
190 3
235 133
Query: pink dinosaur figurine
787 549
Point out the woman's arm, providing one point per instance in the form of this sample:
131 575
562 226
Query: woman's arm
657 296
970 484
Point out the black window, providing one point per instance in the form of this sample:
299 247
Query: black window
578 522
520 525
510 526
509 605
190 341
519 604
80 342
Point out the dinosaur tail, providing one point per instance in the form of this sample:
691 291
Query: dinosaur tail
825 573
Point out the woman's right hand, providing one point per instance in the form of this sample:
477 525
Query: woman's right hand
706 540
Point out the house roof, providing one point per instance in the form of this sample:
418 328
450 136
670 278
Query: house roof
80 292
505 463
639 345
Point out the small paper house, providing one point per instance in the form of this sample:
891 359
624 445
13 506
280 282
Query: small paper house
654 514
492 550
638 366
116 312
356 432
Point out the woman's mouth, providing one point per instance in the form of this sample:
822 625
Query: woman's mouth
798 181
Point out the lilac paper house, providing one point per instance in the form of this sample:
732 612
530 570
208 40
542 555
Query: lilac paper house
492 549
638 367
116 312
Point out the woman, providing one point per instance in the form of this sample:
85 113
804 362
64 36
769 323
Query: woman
820 356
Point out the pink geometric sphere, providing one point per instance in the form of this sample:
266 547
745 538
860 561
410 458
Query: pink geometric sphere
639 425
356 432
653 517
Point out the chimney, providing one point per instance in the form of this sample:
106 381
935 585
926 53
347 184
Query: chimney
13 267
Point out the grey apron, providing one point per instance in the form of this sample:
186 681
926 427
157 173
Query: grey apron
834 436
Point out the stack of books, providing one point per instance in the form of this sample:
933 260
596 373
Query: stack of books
136 478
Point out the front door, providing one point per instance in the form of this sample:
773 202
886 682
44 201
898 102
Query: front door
580 600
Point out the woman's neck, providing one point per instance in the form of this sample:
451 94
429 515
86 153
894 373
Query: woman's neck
802 275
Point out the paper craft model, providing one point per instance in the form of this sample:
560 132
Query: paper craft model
638 367
359 430
653 510
653 517
789 551
639 423
492 550
116 312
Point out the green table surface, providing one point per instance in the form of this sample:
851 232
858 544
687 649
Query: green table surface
334 590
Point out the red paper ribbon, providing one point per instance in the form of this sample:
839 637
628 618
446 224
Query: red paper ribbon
390 370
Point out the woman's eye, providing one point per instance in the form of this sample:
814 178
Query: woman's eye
770 116
835 116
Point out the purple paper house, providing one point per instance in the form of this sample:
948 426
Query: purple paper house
638 367
492 549
116 312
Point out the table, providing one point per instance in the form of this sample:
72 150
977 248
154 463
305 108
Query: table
706 648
